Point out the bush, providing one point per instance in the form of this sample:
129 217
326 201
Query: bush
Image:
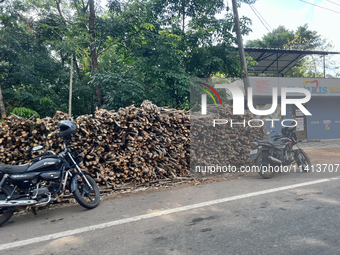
25 112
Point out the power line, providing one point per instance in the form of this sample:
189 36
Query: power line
259 18
333 3
319 6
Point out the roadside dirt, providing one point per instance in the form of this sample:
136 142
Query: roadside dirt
323 156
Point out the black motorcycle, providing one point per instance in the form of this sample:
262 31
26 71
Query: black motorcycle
46 177
270 156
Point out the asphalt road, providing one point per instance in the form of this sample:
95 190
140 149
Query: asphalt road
250 215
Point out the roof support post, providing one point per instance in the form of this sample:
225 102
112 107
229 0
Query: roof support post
277 64
324 67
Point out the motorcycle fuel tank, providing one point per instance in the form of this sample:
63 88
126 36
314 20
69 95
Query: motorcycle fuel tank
46 164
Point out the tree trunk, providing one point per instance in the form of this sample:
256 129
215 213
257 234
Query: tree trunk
93 53
70 93
80 76
2 105
183 13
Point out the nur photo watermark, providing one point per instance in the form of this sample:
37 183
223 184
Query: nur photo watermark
232 132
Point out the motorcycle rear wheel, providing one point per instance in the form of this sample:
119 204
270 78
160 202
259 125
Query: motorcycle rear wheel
5 213
263 160
86 197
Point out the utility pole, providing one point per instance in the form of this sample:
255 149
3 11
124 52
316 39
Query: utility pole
70 95
240 48
2 105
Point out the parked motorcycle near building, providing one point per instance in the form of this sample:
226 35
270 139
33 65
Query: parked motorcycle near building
38 182
269 156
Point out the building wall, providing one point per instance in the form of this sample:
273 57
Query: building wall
277 126
325 120
324 104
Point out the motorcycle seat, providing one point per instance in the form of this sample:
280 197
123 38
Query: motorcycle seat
274 144
7 169
265 141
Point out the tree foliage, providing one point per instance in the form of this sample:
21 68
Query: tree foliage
123 53
301 39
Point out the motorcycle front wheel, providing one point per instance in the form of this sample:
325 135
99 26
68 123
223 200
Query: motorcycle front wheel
305 164
5 213
263 161
85 196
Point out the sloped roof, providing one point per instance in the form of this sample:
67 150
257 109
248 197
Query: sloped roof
278 61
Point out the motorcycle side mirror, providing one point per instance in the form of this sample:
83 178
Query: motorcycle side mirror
36 148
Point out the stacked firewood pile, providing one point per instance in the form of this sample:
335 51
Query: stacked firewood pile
222 145
134 144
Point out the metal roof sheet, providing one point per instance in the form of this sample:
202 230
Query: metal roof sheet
278 61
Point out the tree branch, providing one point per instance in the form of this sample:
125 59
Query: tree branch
59 10
101 52
77 67
114 43
84 7
75 4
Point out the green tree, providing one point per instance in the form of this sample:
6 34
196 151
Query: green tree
31 72
187 41
277 39
301 39
123 54
304 39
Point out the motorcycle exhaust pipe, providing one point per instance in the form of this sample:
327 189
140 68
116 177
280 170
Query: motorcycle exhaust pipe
14 203
275 160
45 201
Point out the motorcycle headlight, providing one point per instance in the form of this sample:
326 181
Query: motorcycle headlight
254 145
